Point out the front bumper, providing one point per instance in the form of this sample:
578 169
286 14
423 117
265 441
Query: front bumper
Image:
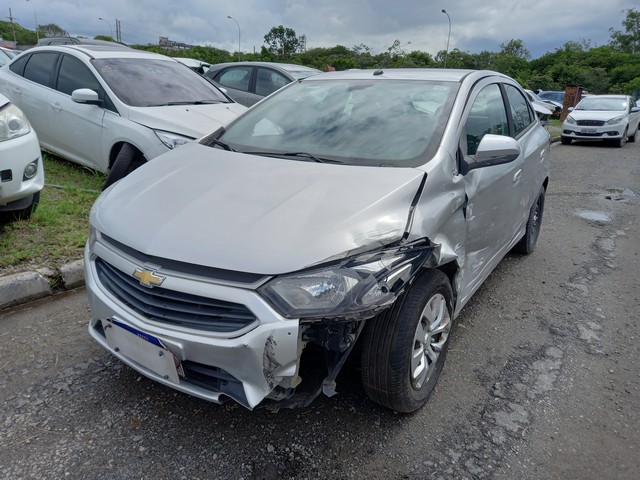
604 132
16 154
245 364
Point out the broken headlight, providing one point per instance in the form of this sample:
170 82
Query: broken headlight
356 285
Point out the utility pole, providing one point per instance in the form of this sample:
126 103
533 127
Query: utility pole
11 19
118 31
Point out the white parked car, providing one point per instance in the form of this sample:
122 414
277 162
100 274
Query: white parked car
611 118
360 207
21 169
112 108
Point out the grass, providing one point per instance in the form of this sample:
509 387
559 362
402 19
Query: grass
58 229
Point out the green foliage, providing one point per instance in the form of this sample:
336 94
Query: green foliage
629 40
52 30
281 42
23 36
107 38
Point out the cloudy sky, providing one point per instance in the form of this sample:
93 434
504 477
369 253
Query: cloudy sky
476 25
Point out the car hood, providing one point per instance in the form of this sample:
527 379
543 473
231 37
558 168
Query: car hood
193 121
603 115
253 214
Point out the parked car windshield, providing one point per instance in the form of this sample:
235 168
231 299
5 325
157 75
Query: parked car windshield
365 122
141 82
603 104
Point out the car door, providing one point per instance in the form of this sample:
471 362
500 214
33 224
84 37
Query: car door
267 81
77 128
492 191
634 117
237 81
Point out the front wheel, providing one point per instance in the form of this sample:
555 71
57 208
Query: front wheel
565 140
23 213
404 348
128 159
621 141
632 138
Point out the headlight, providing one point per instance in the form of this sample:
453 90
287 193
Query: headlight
13 123
570 120
172 140
616 120
360 284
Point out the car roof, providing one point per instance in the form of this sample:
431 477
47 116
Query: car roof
284 66
433 74
101 51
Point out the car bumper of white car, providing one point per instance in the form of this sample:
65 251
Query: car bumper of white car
16 154
604 132
244 362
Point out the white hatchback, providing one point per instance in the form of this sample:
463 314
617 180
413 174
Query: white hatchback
112 108
21 169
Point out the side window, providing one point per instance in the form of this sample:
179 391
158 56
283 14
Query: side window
268 81
40 66
487 115
17 66
235 77
74 74
520 111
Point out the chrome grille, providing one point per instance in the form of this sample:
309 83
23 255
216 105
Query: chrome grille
176 308
590 123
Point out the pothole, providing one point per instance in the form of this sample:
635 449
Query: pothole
620 193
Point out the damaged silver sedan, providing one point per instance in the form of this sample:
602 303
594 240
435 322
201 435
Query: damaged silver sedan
350 212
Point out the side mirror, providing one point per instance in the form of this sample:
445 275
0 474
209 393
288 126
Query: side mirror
635 109
570 109
86 95
494 150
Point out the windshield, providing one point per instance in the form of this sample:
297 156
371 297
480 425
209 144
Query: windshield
151 82
603 104
364 122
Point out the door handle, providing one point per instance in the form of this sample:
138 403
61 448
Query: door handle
517 176
56 107
17 90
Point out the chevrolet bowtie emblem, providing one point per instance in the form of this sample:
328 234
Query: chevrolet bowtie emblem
148 278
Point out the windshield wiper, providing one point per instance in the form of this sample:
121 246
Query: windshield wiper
221 144
187 102
304 155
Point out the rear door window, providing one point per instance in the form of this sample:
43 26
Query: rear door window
40 67
268 81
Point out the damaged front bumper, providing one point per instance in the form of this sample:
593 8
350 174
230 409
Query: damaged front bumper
250 349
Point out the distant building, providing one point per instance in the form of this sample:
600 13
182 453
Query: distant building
165 42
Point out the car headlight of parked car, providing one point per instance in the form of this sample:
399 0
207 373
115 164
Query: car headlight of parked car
13 123
361 284
570 120
172 140
616 120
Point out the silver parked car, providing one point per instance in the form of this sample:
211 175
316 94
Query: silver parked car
249 82
602 117
111 107
349 208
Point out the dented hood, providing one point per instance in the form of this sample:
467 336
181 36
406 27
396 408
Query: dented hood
255 214
192 121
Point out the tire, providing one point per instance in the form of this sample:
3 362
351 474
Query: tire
23 213
565 140
632 138
620 142
398 372
527 244
127 160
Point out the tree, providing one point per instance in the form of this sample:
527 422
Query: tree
281 42
629 41
515 47
52 30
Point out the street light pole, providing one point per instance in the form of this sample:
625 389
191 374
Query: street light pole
108 23
230 17
446 54
35 19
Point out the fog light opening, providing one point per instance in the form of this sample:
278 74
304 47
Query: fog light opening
30 170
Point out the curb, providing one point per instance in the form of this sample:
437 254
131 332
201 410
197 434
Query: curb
24 287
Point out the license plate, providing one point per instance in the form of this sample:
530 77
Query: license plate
588 130
144 349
